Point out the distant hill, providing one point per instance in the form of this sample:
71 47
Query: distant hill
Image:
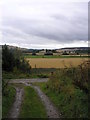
25 50
69 49
76 48
15 47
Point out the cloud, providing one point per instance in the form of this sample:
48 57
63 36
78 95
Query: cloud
44 23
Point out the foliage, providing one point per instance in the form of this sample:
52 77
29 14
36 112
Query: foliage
34 73
12 63
65 53
48 53
42 75
33 53
24 66
5 89
71 104
12 59
73 76
83 51
16 74
80 76
7 59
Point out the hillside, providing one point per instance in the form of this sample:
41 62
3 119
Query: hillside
77 50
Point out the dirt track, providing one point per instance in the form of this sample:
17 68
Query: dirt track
28 80
51 110
14 112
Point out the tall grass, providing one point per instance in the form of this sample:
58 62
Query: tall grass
75 77
70 87
7 100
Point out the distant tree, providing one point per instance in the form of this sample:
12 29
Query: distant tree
69 52
54 51
65 53
77 53
48 53
33 53
46 50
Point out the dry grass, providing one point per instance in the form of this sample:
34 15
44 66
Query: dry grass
55 62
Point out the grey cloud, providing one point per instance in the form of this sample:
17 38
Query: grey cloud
55 26
73 31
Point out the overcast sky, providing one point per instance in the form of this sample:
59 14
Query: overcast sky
44 23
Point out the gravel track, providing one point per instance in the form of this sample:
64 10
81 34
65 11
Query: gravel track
51 110
28 80
15 110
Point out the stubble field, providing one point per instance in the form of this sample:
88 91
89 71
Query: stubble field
55 62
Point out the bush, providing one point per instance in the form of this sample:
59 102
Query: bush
33 53
65 53
42 76
24 66
80 77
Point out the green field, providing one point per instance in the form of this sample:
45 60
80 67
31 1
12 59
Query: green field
53 56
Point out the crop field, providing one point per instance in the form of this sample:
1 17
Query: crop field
55 62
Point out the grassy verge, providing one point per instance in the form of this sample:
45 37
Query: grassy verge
70 105
7 101
35 73
32 106
11 75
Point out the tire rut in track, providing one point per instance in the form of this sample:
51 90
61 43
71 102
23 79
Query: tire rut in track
15 110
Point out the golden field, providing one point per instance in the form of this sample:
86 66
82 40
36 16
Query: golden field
55 62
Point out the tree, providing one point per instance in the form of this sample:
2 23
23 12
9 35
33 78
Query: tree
11 58
24 66
8 60
33 53
65 53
